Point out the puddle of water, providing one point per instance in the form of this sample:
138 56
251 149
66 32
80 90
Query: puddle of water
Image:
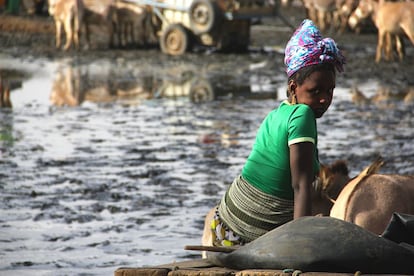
109 164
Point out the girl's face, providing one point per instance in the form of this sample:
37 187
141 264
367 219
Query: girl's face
316 91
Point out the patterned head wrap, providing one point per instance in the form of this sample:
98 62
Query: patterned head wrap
307 47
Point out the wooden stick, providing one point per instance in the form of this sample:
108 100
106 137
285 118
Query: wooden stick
210 248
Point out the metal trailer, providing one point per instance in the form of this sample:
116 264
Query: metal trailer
224 24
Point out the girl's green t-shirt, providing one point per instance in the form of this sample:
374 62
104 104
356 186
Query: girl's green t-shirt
268 166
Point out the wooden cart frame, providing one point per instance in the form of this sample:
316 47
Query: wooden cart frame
223 24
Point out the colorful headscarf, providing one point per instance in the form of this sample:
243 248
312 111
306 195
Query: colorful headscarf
307 47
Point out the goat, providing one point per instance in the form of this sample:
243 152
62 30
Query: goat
330 13
100 13
370 201
322 12
130 17
344 11
68 13
392 19
76 15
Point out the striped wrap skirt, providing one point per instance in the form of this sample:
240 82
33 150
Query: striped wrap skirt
245 213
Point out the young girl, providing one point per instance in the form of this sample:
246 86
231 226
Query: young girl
276 181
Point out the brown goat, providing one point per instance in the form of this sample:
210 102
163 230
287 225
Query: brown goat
70 14
392 19
322 12
344 10
131 17
370 201
100 14
76 15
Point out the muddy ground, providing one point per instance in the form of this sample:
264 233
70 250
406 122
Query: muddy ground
33 36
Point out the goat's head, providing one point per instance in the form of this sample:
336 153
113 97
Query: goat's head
364 9
52 6
332 179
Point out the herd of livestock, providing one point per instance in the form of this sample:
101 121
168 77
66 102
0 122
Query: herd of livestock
130 22
121 18
393 19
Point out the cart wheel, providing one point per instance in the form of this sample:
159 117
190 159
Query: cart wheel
175 40
204 15
201 91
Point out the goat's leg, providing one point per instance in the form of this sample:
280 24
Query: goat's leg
400 47
330 20
58 32
69 32
380 45
117 28
111 34
87 35
344 24
312 14
142 33
122 33
116 32
132 39
76 32
321 20
337 21
125 33
389 47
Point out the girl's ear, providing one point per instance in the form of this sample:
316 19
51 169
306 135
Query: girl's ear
292 87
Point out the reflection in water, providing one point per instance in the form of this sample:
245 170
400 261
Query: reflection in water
6 126
4 93
9 80
195 88
385 97
75 84
409 96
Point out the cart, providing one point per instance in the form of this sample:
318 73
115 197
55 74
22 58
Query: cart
223 24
